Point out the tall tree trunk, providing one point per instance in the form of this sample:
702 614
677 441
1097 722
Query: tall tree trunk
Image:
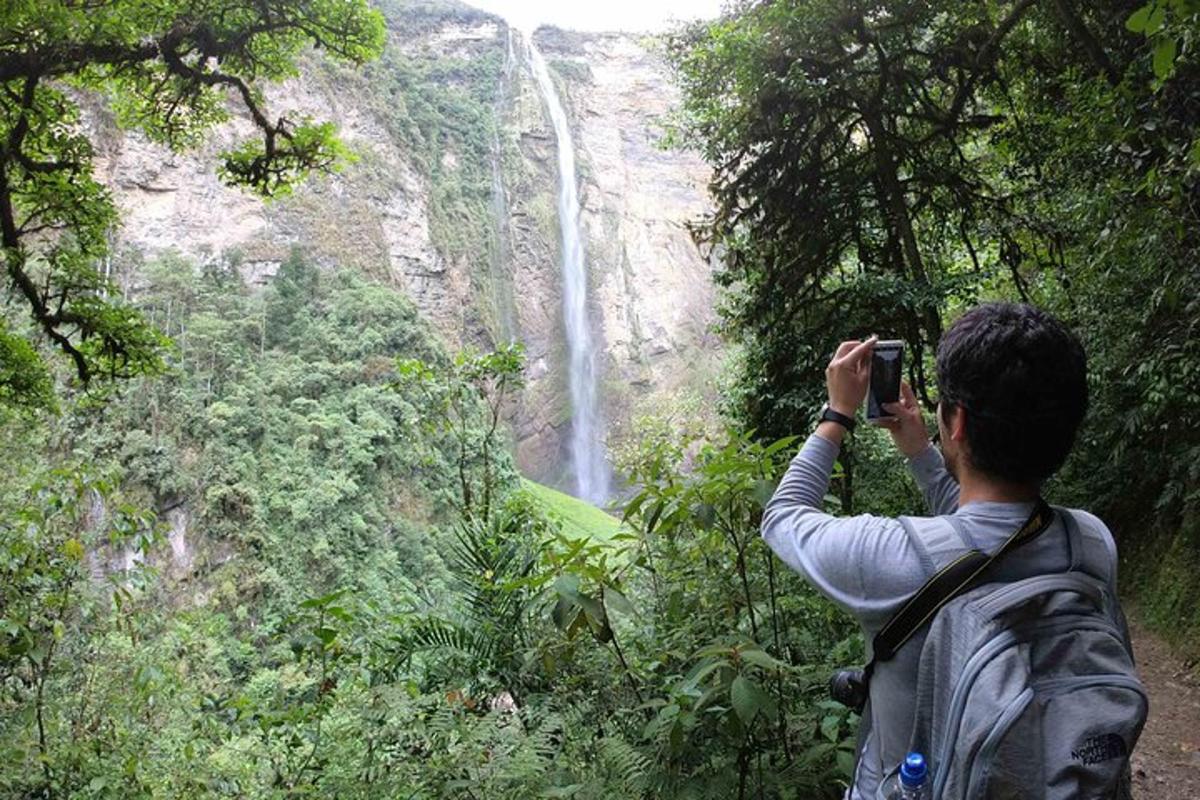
898 216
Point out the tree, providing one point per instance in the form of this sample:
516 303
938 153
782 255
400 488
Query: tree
290 297
1040 150
48 604
169 68
854 189
467 401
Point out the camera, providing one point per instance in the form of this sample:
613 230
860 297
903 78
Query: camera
887 360
849 687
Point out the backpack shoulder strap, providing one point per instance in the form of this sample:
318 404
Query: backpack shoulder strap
950 580
1094 554
1095 560
936 541
942 587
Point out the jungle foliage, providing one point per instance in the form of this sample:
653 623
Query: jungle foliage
881 166
288 555
299 562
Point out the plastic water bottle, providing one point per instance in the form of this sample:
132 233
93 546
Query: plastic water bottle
909 783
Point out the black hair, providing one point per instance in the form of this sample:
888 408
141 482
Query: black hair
1021 377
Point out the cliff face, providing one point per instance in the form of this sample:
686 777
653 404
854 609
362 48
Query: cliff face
452 199
650 289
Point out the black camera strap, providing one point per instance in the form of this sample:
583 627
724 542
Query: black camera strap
948 583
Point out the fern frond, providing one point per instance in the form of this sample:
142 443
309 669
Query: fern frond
438 634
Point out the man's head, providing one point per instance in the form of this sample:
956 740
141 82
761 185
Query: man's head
1013 386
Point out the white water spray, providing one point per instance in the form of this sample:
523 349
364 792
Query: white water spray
593 475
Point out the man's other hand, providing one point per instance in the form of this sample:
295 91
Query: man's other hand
849 374
907 424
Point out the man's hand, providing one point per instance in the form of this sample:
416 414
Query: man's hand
848 375
907 425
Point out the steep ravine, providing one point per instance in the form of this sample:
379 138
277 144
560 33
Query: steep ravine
452 199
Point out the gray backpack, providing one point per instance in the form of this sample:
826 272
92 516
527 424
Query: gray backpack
1026 689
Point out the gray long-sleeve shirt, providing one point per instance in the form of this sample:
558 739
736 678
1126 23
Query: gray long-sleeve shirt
868 566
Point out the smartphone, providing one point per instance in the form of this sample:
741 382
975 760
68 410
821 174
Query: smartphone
887 360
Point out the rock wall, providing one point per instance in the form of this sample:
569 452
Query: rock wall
650 291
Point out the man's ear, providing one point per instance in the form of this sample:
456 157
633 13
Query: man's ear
957 424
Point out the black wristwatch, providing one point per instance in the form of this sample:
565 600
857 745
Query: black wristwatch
829 415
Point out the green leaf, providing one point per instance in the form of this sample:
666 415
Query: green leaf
666 716
702 702
564 613
1137 20
634 506
831 726
1155 21
711 650
579 622
567 586
703 670
1164 58
654 515
845 763
73 549
761 658
320 602
748 699
779 444
618 602
763 491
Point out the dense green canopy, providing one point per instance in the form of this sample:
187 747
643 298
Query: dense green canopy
879 166
170 69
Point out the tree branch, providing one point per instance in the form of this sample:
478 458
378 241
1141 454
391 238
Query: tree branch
1079 29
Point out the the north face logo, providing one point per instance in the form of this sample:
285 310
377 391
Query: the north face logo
1100 748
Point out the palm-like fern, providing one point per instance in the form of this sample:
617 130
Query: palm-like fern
490 560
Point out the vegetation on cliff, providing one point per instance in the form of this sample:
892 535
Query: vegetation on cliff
363 601
169 70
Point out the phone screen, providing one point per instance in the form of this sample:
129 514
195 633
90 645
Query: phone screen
886 363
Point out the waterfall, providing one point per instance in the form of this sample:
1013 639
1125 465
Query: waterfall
180 552
588 461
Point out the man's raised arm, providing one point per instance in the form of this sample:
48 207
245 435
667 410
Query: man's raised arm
838 556
924 460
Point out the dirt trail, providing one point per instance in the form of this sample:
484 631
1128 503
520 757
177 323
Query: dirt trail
1166 763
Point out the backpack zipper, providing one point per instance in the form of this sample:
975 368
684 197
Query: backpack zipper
988 749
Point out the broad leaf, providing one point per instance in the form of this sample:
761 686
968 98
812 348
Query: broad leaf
760 658
618 602
1137 20
748 699
1164 58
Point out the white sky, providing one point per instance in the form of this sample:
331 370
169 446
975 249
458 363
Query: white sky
599 15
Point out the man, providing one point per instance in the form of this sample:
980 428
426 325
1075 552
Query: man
1013 391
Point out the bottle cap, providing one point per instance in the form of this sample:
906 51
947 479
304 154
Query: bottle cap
913 770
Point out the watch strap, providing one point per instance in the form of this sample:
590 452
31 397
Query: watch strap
829 415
